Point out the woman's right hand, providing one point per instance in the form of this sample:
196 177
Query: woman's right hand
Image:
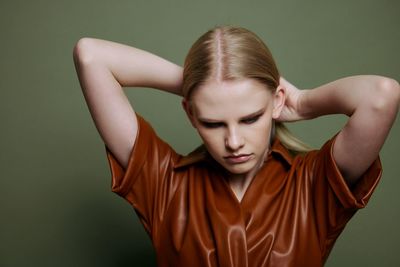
103 68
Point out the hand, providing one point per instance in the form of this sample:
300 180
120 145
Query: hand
291 110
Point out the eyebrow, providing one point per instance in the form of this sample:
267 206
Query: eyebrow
254 114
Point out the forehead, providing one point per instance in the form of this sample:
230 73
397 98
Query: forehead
225 99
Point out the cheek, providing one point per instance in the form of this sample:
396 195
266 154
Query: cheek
260 133
212 139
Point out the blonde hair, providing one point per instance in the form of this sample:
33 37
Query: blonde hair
229 53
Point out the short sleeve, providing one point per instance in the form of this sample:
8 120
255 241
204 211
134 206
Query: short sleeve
147 182
334 202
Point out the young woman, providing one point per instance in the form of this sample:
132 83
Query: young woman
251 194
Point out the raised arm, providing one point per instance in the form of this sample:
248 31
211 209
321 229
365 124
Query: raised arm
103 68
371 102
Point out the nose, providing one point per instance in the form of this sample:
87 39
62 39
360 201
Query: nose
233 140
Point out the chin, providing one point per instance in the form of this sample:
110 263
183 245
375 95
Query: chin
239 168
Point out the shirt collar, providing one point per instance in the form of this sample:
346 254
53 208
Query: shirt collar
277 151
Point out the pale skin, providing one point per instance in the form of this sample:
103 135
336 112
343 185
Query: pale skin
371 103
234 118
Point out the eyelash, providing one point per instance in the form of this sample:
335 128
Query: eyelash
213 125
251 120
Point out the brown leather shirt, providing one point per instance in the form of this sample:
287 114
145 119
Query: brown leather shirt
291 214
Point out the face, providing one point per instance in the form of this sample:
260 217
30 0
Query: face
234 120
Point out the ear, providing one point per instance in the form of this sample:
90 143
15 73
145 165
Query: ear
189 111
279 98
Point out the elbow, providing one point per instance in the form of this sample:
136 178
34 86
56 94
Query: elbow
387 95
83 51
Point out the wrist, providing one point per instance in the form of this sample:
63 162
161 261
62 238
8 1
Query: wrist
305 111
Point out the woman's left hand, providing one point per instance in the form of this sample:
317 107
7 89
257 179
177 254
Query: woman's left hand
291 110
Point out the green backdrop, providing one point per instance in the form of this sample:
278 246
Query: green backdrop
56 207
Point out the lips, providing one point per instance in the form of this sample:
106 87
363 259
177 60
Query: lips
238 158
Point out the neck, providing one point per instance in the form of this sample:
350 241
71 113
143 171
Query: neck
240 182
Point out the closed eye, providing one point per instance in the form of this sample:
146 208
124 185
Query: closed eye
211 125
251 120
